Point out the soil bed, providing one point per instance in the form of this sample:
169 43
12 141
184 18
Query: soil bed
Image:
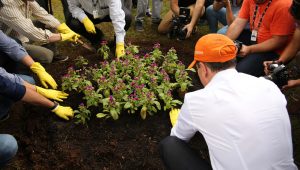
47 142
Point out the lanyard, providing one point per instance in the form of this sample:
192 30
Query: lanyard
262 16
95 3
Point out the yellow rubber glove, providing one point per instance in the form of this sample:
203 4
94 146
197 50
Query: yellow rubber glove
71 36
120 50
89 26
52 94
63 28
174 116
44 77
63 112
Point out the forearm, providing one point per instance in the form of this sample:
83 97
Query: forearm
236 28
197 12
292 49
174 7
272 44
32 97
229 15
27 61
55 38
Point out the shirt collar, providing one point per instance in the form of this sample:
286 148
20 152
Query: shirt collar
222 75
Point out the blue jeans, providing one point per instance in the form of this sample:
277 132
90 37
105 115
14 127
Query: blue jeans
176 154
8 148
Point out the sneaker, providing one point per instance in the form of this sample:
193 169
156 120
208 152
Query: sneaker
60 58
139 26
156 21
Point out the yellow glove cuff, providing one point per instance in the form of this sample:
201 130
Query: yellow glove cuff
63 28
36 66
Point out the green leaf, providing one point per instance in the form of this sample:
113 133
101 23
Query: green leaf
114 114
101 115
191 69
127 105
157 105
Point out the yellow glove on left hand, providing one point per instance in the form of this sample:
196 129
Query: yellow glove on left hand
52 94
89 26
174 116
71 36
63 112
120 50
63 28
44 77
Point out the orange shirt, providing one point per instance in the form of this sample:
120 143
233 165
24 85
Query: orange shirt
276 21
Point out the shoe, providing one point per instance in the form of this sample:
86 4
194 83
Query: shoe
60 58
139 26
5 117
156 21
148 14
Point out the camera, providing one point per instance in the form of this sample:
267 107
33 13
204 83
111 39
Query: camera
279 74
238 45
178 23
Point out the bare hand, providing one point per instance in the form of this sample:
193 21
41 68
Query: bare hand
291 84
266 65
189 30
245 50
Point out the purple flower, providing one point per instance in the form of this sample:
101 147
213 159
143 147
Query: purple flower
156 45
103 42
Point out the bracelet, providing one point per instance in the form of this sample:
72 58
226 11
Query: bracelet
54 107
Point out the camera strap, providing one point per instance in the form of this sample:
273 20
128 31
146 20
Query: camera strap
255 29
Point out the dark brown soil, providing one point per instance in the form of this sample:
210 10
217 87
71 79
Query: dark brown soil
47 142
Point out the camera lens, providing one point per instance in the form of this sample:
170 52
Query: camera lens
181 34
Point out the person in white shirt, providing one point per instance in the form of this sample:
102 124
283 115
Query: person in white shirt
243 118
81 15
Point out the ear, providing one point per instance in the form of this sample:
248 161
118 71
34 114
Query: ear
204 69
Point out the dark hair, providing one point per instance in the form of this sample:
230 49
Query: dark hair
220 66
295 9
1 4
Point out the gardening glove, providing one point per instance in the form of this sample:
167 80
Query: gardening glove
120 50
71 36
44 77
63 112
89 26
52 94
63 28
174 116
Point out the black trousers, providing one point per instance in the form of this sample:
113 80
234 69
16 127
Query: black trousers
79 28
253 63
177 155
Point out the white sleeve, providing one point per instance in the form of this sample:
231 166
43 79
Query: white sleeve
183 128
76 11
117 16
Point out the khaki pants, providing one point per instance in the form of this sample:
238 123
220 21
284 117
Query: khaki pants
165 24
39 53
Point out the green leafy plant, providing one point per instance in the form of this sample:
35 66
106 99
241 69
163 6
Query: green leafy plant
136 84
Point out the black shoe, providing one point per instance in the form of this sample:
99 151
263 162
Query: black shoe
5 117
139 26
156 21
148 14
60 58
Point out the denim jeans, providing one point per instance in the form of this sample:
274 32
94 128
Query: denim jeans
8 148
176 154
142 6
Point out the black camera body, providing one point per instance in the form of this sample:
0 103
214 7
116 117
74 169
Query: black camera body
178 23
279 74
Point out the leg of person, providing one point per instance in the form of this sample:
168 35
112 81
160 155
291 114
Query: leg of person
27 78
39 53
166 23
128 17
213 17
176 154
8 148
127 4
253 63
140 14
156 9
223 30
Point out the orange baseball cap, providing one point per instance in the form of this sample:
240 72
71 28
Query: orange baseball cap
214 48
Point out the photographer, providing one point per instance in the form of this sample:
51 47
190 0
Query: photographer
291 50
196 10
223 11
271 28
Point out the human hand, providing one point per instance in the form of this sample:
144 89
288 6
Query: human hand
44 77
291 84
52 94
63 112
245 50
89 26
63 28
189 30
174 116
71 36
266 66
120 49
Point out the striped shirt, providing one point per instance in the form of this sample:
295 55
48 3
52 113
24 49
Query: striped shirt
16 21
113 8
